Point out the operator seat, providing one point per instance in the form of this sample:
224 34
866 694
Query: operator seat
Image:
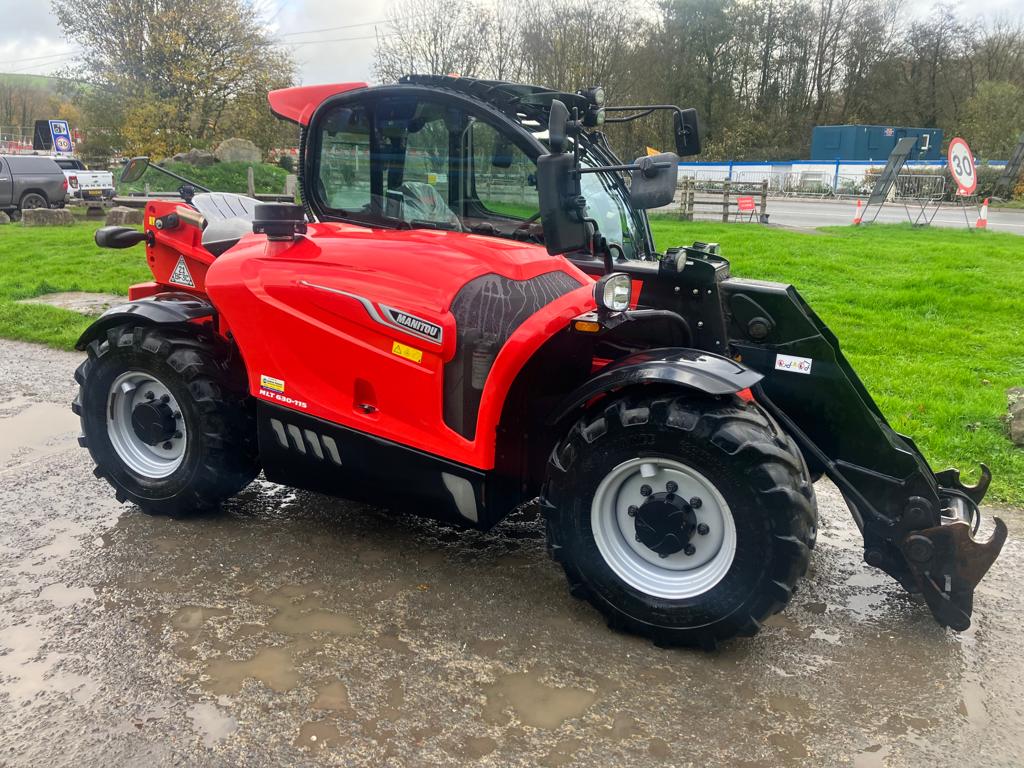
228 218
421 202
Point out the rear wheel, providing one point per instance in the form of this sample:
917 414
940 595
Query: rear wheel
32 200
686 520
167 420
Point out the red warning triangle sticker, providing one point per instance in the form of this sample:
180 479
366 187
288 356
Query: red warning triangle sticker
181 275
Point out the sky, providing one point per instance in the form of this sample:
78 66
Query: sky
332 40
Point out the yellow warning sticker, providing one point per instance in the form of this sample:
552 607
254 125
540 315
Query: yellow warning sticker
152 221
269 382
409 353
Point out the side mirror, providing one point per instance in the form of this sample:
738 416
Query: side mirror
687 130
653 183
134 169
558 126
562 207
503 153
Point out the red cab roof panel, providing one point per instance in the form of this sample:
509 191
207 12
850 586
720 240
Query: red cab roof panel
299 104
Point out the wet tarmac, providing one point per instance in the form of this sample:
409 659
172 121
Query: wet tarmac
296 629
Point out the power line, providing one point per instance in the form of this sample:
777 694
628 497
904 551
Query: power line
36 58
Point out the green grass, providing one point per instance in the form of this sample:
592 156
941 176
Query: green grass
931 319
34 261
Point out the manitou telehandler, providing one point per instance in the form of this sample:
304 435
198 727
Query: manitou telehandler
467 313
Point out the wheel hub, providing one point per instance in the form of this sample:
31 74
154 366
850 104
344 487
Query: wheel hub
153 422
665 523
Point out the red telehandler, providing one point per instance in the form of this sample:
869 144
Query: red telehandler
468 313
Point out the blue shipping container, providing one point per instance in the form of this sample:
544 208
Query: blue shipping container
871 142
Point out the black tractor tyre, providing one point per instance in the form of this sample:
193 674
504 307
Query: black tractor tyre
32 200
220 456
737 447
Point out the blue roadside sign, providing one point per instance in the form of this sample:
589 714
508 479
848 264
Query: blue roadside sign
61 135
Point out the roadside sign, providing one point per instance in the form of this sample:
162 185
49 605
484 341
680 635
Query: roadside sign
961 166
61 135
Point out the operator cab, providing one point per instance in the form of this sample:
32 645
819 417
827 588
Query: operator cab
408 156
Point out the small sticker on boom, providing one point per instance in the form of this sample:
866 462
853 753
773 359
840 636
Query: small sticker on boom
269 382
793 364
409 353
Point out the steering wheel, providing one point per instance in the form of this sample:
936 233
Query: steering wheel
523 228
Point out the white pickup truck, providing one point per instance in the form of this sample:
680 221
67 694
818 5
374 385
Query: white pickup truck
84 184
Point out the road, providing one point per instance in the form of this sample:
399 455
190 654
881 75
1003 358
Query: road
805 213
299 630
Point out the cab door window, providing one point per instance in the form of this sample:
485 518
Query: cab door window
504 177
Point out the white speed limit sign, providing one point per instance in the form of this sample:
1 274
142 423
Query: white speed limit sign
961 166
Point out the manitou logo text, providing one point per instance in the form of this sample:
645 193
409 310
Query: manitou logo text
414 324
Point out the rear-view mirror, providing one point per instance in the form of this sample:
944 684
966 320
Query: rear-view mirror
134 169
653 183
562 209
504 152
687 130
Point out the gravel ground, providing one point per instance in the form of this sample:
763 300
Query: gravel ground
296 629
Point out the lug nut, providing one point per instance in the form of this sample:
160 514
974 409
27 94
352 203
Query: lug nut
177 435
696 502
638 537
671 486
689 549
703 529
662 555
165 398
167 445
645 490
633 509
150 395
176 415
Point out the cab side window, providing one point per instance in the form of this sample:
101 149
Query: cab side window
344 169
504 180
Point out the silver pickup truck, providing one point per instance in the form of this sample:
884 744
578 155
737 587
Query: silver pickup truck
29 181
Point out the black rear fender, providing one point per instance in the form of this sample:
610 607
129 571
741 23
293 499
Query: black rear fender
165 309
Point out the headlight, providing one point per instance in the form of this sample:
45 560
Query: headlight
613 292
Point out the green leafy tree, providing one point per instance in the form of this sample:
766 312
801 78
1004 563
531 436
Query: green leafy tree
166 75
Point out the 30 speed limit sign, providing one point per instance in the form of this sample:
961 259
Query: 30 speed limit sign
961 166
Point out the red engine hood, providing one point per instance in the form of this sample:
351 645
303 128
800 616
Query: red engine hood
420 268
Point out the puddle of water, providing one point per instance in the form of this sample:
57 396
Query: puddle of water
972 705
562 753
476 747
293 620
63 596
535 703
333 696
488 648
871 757
791 746
35 428
192 617
271 666
28 671
624 727
211 723
318 735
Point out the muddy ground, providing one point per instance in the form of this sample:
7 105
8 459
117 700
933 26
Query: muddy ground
296 629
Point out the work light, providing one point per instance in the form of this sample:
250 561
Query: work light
613 292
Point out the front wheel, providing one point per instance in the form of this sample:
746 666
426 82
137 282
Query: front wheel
167 420
685 519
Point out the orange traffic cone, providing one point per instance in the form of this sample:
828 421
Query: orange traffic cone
856 216
982 222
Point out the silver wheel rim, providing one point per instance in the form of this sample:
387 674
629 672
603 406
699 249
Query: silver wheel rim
678 576
151 461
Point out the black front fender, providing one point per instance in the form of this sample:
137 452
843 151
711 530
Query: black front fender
704 372
173 308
